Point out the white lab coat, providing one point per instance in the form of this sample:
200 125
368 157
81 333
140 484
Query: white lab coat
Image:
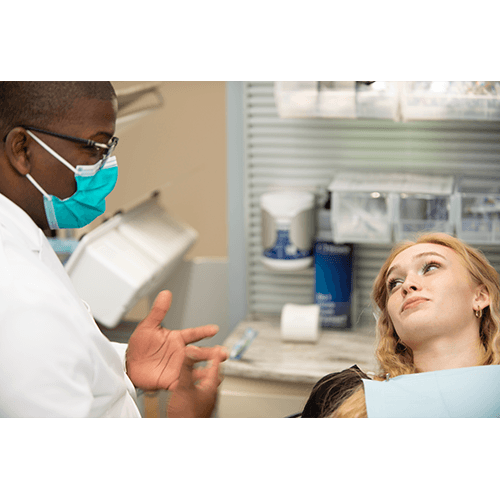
54 360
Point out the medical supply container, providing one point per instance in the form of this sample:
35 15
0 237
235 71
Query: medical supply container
465 100
478 210
362 208
288 228
420 213
384 207
332 276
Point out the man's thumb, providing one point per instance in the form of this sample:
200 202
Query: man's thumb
160 307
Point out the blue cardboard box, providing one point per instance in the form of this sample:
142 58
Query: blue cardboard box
333 283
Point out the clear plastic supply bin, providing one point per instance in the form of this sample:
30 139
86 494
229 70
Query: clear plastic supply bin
422 213
378 100
315 99
361 217
337 99
296 99
478 211
451 101
370 207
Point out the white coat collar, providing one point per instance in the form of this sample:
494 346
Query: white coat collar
16 220
22 227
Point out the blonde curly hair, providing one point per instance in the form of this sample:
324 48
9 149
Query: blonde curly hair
396 359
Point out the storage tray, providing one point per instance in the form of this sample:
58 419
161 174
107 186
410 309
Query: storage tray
422 103
479 218
422 213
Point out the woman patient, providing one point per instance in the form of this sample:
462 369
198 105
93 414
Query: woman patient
438 308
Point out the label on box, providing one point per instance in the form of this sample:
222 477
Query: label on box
333 283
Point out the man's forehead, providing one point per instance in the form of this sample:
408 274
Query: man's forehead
97 114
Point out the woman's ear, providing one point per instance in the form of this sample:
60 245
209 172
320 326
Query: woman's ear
16 150
481 297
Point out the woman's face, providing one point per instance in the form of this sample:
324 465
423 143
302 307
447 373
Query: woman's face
431 293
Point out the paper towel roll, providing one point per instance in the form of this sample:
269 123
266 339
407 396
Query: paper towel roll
300 323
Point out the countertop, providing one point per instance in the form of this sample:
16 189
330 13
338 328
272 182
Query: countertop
270 358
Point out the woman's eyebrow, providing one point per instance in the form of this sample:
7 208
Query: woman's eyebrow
391 270
425 254
418 256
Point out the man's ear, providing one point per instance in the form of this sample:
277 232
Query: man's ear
16 150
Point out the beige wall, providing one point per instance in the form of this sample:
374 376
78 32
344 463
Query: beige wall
181 150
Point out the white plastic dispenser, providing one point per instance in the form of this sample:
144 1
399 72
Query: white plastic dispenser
288 228
126 258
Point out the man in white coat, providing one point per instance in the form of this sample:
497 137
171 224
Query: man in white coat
56 168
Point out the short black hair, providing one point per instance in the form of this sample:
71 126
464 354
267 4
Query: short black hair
40 103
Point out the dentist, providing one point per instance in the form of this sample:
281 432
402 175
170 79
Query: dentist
56 169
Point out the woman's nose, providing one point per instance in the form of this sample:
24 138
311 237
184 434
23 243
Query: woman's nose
411 283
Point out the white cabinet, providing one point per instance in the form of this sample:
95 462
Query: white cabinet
253 398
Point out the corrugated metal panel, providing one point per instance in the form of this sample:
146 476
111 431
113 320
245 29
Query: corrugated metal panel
306 152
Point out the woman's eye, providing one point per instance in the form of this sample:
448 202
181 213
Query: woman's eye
391 285
430 266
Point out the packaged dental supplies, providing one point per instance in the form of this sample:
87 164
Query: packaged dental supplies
332 276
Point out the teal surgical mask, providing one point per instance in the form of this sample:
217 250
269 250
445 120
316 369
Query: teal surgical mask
93 184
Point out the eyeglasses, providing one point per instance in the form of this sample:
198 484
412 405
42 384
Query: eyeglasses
108 148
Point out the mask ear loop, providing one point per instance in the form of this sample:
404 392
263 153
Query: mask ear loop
52 152
40 188
49 209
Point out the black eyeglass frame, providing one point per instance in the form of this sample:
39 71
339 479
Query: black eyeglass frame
89 142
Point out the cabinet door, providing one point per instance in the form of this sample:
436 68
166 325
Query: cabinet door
247 398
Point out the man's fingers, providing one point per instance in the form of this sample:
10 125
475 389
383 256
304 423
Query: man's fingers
190 359
194 354
198 354
160 307
191 335
210 377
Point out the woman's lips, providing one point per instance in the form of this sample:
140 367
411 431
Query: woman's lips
413 302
